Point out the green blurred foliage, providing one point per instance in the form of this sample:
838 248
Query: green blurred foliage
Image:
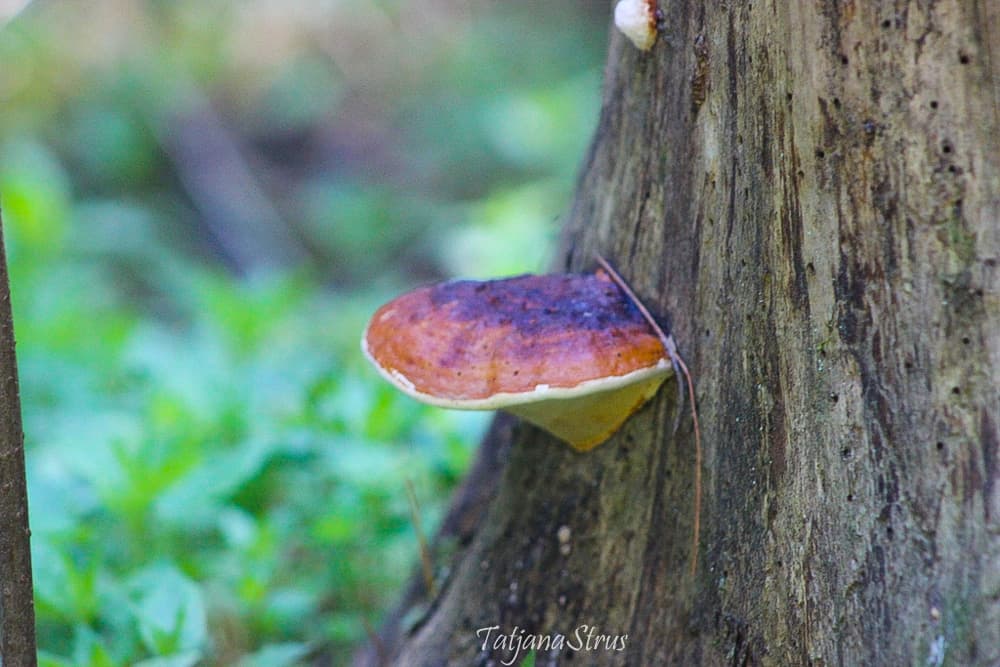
215 475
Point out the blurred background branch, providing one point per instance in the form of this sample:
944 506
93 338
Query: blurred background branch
245 225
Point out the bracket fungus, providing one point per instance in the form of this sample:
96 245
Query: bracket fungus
575 354
569 353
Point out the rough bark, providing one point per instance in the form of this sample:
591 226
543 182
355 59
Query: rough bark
17 605
809 192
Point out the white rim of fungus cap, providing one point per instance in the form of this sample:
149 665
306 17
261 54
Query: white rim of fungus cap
500 400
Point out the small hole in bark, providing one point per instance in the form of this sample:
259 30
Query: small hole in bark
888 531
952 169
845 453
788 96
780 563
707 333
946 147
850 497
963 58
908 364
834 398
844 60
820 153
836 102
800 173
940 446
810 268
956 391
886 24
934 104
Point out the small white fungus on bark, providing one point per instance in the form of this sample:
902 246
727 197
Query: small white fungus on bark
636 19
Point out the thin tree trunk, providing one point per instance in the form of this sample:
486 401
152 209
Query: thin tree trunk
809 192
17 605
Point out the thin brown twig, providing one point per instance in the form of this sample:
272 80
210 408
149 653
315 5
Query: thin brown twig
677 361
381 655
425 552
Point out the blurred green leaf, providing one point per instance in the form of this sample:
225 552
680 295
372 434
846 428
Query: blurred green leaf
90 649
35 192
545 128
304 90
521 221
110 145
46 659
170 611
276 655
187 659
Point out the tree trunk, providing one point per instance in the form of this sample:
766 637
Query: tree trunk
809 192
17 606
